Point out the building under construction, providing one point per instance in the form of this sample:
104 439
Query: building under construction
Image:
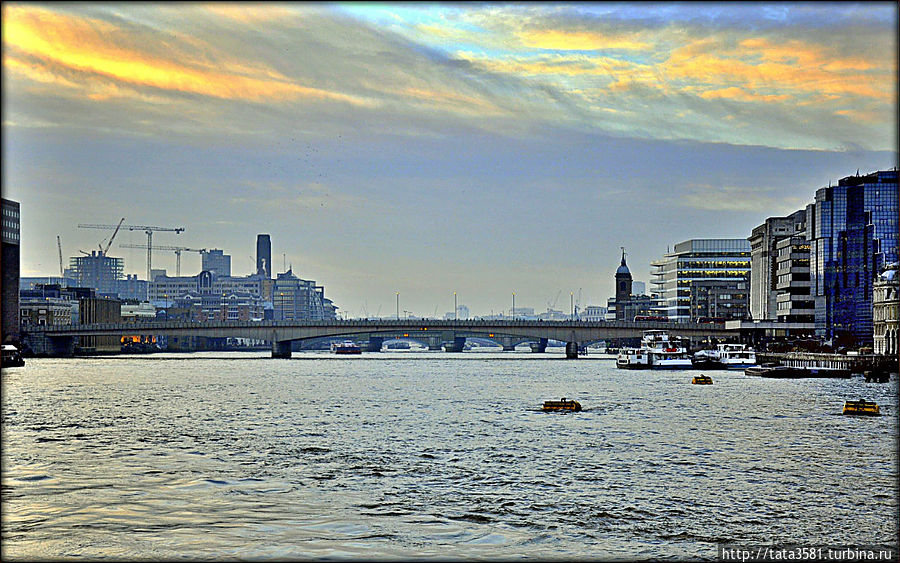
97 270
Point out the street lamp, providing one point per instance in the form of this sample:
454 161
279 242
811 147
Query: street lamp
513 312
398 305
572 303
455 308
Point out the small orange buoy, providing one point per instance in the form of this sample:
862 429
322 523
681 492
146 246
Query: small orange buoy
868 408
702 380
562 405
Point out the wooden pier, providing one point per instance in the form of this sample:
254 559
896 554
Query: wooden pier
858 364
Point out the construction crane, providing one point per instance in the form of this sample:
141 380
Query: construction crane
177 249
103 250
578 303
147 229
59 247
549 306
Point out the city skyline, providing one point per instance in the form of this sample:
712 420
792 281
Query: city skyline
433 149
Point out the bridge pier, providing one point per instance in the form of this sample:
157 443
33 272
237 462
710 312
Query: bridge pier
375 344
508 343
434 343
539 347
281 349
43 345
458 344
571 350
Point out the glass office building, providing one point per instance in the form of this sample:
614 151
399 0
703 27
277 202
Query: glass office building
852 231
704 279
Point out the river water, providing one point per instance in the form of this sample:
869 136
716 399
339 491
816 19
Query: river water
415 454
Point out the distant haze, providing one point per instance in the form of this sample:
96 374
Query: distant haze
432 149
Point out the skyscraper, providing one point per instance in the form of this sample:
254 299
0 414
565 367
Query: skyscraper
9 303
852 231
216 261
264 255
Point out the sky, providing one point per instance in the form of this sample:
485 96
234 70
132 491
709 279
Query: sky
426 149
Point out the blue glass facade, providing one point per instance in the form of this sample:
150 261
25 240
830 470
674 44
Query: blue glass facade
852 234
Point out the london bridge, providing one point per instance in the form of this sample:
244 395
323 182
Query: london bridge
61 338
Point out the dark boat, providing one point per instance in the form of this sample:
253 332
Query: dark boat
11 357
346 347
791 372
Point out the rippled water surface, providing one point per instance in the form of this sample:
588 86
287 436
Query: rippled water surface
430 454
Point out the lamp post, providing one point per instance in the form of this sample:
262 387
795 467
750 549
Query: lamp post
455 309
398 305
513 312
572 304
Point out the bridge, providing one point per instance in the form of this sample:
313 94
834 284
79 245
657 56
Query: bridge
436 332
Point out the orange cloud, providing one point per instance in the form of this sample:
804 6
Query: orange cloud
793 68
253 13
570 65
97 47
452 100
741 95
562 40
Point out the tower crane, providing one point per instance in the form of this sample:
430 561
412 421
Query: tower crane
148 230
549 306
103 250
177 249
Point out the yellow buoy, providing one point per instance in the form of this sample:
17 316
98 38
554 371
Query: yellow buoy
869 408
562 405
702 380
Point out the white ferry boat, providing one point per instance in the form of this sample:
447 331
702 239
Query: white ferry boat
657 351
725 356
632 358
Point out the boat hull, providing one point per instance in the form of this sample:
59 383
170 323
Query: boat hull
672 365
790 372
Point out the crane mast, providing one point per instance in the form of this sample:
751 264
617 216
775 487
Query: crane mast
177 249
59 248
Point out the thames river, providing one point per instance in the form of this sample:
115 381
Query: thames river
415 454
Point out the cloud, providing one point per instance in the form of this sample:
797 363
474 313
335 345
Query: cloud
568 40
250 13
738 198
92 47
272 196
233 70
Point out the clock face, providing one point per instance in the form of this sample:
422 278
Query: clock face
622 286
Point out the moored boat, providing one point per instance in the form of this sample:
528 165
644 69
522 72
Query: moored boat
725 356
346 347
11 358
657 351
791 372
632 358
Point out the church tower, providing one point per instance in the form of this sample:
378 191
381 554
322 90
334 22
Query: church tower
623 288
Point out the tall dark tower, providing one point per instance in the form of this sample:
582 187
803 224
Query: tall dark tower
264 255
623 288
